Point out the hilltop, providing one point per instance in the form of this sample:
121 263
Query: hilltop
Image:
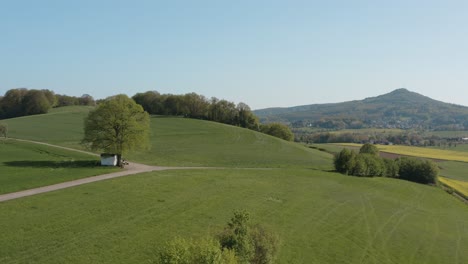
400 108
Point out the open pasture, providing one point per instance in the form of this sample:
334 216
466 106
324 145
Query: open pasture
320 217
180 142
454 170
189 142
26 165
61 126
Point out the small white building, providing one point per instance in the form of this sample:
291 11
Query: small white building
108 159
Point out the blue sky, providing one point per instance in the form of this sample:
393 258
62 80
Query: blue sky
263 53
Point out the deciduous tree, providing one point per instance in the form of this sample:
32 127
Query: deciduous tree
116 126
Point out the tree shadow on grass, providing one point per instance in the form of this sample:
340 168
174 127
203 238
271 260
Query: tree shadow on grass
53 164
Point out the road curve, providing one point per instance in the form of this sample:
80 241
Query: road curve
132 168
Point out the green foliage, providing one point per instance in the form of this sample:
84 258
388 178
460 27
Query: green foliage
391 168
116 126
236 236
238 243
416 170
206 250
367 163
251 244
345 161
265 244
22 102
197 106
369 149
362 164
277 130
3 130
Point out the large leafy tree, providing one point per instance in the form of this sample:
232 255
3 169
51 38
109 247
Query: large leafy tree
116 126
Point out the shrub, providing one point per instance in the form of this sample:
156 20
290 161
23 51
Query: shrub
182 251
345 161
391 168
416 170
369 149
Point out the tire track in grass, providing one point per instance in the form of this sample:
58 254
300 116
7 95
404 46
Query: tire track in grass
404 213
380 231
457 248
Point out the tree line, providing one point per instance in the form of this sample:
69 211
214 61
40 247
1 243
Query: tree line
193 105
368 163
410 138
23 102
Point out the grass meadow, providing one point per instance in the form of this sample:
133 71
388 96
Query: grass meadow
27 165
61 126
321 217
179 142
188 142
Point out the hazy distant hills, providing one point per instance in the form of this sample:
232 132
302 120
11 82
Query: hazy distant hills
398 109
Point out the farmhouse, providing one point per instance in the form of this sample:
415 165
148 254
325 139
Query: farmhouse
108 159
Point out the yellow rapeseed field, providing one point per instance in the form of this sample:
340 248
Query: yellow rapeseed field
460 186
420 152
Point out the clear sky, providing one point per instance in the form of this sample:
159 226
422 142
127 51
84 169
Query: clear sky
264 53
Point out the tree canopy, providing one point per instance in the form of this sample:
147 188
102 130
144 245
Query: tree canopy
277 130
116 126
3 130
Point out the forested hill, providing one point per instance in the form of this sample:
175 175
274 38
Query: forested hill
398 109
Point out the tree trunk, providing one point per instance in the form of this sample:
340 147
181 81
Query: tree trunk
119 160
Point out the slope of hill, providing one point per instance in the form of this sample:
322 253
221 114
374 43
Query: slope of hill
179 142
62 126
398 109
321 217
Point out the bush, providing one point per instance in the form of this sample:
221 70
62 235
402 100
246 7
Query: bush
183 251
265 246
277 130
345 161
391 168
369 149
416 170
238 243
367 163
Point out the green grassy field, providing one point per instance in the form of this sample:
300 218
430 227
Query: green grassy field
179 142
320 217
188 142
459 147
26 165
62 126
454 170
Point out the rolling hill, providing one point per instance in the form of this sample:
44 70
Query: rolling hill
398 109
179 142
320 216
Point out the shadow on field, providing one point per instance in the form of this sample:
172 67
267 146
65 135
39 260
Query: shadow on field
53 164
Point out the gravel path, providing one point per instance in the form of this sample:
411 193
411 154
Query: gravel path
133 168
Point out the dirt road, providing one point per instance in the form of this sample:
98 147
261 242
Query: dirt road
133 168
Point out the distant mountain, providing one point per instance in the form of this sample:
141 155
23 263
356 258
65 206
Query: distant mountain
398 109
